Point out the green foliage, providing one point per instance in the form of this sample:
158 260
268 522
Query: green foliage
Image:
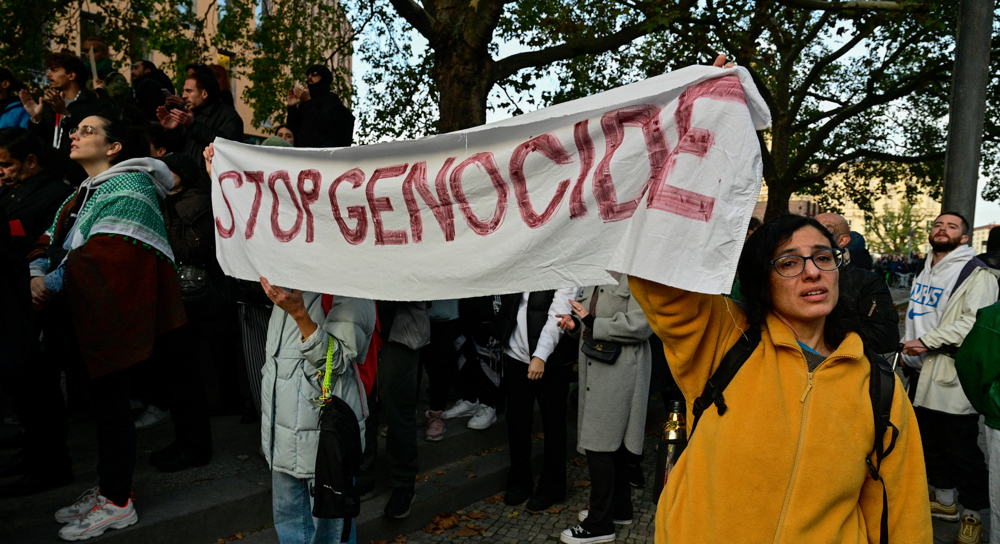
890 233
275 49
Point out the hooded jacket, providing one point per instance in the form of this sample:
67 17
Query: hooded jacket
786 463
323 120
13 114
148 89
938 387
289 422
978 365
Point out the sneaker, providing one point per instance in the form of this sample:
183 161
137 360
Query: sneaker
462 408
579 535
105 515
152 417
399 503
485 416
85 503
435 427
635 475
584 513
946 513
970 532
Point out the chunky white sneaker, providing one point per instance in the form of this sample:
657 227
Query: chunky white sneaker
152 417
85 503
462 408
105 515
579 535
485 416
582 515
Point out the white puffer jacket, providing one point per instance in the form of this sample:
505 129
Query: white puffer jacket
289 419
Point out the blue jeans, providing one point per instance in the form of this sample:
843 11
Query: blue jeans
292 509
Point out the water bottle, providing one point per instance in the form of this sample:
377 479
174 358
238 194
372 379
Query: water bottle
673 439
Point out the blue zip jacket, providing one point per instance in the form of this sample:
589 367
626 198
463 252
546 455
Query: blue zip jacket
14 115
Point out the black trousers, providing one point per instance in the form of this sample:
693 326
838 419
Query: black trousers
175 365
441 361
953 456
396 391
550 391
473 383
116 435
610 491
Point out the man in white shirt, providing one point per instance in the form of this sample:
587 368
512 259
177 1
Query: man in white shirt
537 365
945 297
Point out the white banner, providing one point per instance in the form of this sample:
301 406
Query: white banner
657 179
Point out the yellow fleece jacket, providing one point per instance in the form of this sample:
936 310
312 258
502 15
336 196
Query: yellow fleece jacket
786 463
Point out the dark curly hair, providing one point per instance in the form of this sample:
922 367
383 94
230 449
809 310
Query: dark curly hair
134 142
755 275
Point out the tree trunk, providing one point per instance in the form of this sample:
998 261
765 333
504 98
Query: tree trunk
778 196
463 80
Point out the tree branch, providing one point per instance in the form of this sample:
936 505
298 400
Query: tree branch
832 166
416 16
818 68
840 6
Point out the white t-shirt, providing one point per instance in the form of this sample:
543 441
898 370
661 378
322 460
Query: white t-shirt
517 348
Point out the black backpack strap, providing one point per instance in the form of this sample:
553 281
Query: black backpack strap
728 367
967 271
881 388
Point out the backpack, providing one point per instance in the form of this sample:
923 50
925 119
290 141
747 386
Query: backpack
338 464
366 370
881 387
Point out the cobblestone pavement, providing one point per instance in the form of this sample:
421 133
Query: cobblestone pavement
490 520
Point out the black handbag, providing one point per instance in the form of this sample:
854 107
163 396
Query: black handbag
599 350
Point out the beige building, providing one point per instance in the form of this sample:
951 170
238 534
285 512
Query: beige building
924 207
980 235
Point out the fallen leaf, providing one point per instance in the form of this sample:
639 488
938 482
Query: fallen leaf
477 515
581 483
460 512
222 541
472 475
239 536
512 515
469 530
579 461
378 542
400 539
440 472
555 509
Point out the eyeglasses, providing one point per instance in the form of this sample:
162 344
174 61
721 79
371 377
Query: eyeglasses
789 266
86 130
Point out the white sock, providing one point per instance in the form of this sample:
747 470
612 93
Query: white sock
973 513
945 497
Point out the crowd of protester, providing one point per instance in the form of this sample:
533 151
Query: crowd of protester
105 219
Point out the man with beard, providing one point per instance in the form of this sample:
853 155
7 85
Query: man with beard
944 300
316 115
202 118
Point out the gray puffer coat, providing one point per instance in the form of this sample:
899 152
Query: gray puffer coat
289 419
613 398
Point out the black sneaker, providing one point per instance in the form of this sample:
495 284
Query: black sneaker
515 496
579 535
399 503
540 503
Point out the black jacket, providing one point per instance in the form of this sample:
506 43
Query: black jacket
32 205
147 92
210 120
188 218
538 313
17 335
321 121
85 105
991 258
867 294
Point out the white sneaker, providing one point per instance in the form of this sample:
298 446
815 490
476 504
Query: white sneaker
85 503
582 515
152 417
105 515
485 416
462 408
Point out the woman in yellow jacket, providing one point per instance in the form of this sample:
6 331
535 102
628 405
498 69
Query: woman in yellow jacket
786 463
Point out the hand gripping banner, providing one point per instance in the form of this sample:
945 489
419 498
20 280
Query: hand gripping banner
657 179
